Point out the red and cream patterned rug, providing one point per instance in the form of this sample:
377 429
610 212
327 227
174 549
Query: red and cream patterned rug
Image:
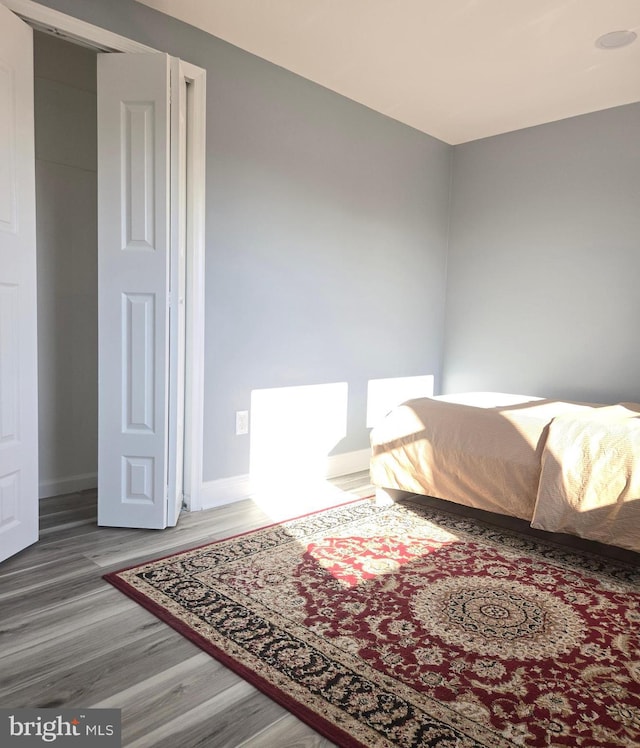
404 626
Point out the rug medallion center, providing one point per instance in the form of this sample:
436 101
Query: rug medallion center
498 617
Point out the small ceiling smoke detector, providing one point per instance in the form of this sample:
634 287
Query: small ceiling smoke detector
615 39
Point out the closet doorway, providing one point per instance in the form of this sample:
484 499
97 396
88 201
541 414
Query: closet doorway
70 278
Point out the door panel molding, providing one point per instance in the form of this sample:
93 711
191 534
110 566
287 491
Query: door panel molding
138 210
138 357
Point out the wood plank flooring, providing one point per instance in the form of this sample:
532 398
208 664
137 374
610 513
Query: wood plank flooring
69 639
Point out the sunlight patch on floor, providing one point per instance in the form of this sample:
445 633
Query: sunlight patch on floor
281 500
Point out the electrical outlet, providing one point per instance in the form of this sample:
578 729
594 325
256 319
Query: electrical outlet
242 422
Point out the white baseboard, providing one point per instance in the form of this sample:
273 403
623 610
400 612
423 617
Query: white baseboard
68 484
347 463
238 487
224 491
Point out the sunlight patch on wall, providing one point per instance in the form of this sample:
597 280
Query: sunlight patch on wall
293 430
385 394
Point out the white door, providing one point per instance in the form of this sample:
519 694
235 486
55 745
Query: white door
18 342
140 443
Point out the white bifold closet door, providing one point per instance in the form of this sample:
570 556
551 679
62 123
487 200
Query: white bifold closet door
18 291
141 269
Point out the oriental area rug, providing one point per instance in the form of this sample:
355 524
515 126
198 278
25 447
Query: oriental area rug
405 626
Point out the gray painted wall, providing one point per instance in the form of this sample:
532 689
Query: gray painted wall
326 234
544 261
66 187
327 247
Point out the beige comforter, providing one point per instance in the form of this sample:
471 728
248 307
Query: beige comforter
564 466
590 476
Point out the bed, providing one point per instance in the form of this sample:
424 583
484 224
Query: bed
562 466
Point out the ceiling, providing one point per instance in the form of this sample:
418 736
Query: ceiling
456 69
